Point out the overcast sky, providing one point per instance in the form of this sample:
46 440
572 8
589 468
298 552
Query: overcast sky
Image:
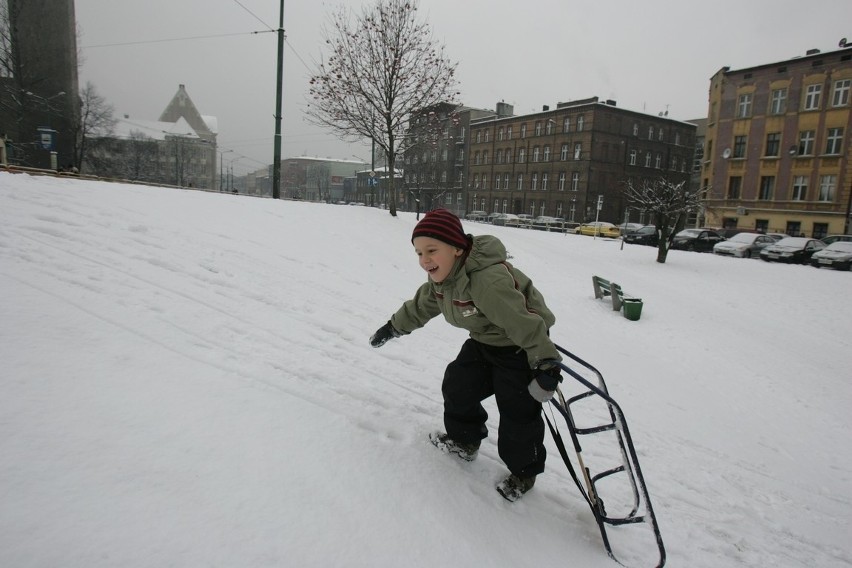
649 56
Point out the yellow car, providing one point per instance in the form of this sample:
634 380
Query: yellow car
600 229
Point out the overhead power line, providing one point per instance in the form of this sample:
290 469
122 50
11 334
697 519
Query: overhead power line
142 42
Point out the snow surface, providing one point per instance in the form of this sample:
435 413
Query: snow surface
187 381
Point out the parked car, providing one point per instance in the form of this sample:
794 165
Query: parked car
507 220
525 219
835 238
794 250
476 216
493 216
545 223
700 240
743 245
777 236
836 255
647 235
627 228
598 228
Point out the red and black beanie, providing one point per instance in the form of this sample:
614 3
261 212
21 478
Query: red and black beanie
444 226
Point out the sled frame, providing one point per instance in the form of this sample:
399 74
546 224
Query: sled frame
641 510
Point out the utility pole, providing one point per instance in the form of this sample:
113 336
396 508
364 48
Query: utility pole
276 163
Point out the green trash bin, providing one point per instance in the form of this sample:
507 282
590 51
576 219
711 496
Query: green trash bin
632 308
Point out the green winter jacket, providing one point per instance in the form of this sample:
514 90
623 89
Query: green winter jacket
485 295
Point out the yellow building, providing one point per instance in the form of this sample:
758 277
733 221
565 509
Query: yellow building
777 146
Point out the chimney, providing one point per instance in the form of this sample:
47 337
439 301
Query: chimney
812 52
610 102
545 107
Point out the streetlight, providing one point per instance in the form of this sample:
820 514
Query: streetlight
221 168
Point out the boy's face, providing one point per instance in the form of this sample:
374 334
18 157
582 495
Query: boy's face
436 257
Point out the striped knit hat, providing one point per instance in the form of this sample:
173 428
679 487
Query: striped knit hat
442 225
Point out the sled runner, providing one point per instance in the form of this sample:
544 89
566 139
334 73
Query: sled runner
627 501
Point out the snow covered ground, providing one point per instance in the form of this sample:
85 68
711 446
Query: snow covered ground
186 381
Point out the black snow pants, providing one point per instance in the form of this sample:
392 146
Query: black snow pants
478 372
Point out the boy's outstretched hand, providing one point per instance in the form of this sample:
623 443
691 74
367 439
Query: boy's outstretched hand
383 335
546 377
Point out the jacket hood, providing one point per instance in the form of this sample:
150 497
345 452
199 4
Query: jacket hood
485 251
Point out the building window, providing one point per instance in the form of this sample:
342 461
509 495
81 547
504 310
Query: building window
476 158
635 129
794 228
520 185
674 163
561 181
448 200
647 159
444 178
564 152
535 154
826 187
508 133
505 181
660 135
476 181
677 138
575 181
658 163
549 127
841 92
735 184
497 181
496 206
834 141
767 185
778 101
478 136
459 199
487 134
650 133
538 128
498 157
566 124
500 135
580 122
813 94
806 143
632 157
820 230
484 181
533 181
773 144
523 130
740 143
800 188
485 156
547 153
744 105
578 150
522 155
544 177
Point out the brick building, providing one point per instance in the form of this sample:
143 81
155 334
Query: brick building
558 162
777 149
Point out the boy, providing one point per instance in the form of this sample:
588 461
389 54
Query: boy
509 353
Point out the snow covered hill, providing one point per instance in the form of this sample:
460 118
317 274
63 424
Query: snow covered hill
187 381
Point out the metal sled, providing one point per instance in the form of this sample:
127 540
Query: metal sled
635 504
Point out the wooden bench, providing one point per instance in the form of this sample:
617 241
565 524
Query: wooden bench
604 288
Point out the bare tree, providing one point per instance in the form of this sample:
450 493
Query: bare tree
667 203
383 67
319 176
96 120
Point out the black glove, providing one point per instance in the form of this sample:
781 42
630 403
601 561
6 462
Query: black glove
383 335
546 377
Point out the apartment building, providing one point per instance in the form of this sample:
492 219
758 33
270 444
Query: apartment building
777 148
562 162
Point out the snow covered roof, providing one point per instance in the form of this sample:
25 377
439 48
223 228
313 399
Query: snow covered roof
125 127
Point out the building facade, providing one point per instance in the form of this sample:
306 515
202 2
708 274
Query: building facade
39 100
777 148
178 149
564 162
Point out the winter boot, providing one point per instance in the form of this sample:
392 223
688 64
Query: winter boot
443 442
513 487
